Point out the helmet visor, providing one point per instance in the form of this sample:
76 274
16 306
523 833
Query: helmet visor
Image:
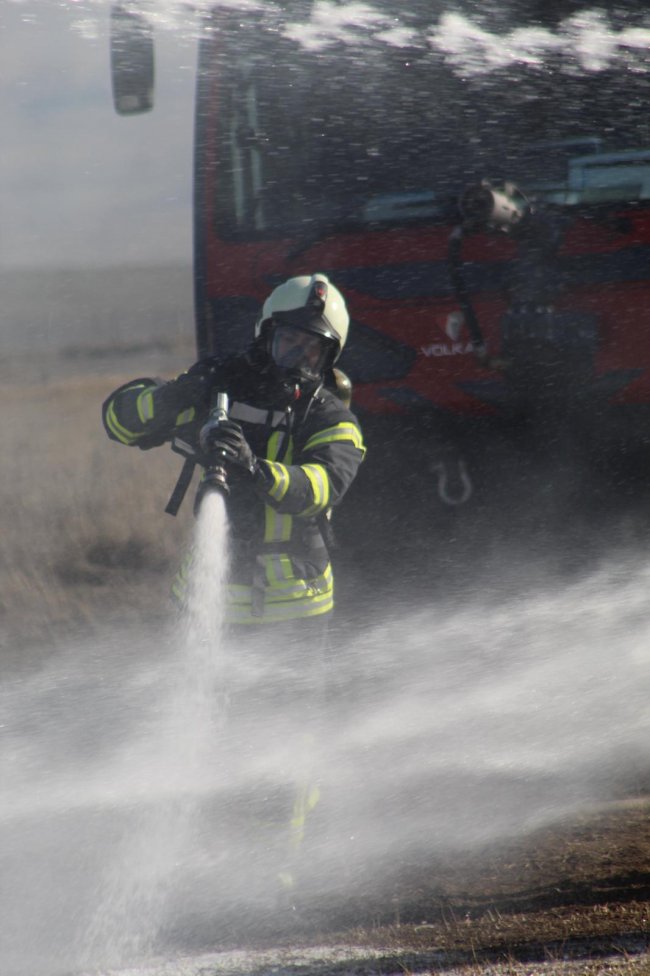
296 349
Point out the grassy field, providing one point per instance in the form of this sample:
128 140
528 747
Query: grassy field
83 533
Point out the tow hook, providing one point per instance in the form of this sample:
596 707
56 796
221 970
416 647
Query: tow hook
454 483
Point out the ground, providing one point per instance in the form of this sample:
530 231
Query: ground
577 890
570 899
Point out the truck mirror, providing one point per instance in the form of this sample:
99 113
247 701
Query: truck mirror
132 60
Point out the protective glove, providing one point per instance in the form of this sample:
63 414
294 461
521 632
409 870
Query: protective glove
190 389
226 440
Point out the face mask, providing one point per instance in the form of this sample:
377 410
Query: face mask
297 350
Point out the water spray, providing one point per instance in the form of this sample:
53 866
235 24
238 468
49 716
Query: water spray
182 747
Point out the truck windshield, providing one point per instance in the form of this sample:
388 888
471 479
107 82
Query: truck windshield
307 141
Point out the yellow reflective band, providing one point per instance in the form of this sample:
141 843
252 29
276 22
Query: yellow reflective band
279 571
121 433
181 580
144 405
286 592
273 447
344 431
186 416
306 801
292 588
289 600
179 590
280 485
320 487
277 612
239 595
277 528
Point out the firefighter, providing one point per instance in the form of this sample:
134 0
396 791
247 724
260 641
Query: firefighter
291 448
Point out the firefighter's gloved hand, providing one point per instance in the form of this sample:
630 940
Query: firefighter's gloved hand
205 370
191 389
227 441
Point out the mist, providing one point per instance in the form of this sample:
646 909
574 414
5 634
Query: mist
445 729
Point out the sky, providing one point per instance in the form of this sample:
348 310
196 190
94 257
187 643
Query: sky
80 185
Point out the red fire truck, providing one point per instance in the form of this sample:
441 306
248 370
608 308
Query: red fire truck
364 144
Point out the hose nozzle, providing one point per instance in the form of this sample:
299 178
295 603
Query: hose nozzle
215 477
217 415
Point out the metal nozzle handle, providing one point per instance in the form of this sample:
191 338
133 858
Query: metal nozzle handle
220 409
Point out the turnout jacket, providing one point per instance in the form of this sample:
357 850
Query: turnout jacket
308 454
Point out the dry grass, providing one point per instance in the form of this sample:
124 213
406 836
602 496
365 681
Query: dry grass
568 900
84 537
571 898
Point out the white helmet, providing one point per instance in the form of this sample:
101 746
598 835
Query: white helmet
311 304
